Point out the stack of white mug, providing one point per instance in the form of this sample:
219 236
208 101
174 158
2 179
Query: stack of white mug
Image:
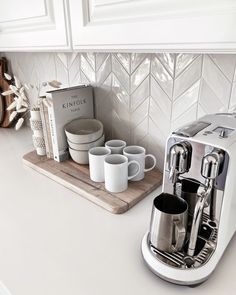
116 164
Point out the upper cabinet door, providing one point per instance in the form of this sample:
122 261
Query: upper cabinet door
179 25
33 25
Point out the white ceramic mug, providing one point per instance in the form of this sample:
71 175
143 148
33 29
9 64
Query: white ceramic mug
116 146
137 153
96 163
116 172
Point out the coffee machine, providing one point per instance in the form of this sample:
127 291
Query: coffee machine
200 166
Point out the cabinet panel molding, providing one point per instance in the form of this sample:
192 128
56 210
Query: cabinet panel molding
124 10
37 26
197 25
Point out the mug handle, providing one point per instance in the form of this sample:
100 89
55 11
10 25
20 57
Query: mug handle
180 233
154 162
139 168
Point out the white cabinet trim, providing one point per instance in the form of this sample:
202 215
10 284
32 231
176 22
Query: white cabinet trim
48 31
126 25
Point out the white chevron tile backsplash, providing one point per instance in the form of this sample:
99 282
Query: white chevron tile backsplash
139 97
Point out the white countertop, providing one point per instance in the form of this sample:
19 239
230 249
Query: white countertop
54 242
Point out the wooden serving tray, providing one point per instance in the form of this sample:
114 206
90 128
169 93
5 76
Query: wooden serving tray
76 178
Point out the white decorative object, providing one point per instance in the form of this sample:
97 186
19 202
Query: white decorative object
138 153
37 128
116 172
80 157
83 130
97 156
20 105
86 146
116 146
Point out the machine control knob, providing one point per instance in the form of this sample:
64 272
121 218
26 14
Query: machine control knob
211 164
223 134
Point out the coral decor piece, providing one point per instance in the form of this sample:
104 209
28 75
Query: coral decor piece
21 107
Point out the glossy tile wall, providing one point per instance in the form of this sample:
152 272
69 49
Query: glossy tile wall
139 97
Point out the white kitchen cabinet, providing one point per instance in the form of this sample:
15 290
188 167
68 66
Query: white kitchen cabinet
166 25
38 25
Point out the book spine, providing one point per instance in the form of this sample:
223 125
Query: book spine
45 135
50 151
52 125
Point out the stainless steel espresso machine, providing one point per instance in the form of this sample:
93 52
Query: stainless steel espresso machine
194 218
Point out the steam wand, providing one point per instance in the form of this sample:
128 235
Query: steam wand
210 170
204 192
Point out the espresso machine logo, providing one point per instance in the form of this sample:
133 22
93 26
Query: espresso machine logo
74 103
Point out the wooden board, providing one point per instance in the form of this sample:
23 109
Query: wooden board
76 178
2 108
7 100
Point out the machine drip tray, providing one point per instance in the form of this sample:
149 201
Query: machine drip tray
206 244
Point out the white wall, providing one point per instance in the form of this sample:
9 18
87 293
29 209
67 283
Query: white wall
139 97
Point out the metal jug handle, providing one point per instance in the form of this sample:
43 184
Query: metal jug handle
180 233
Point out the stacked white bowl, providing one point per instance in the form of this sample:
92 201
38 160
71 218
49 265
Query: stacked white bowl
82 135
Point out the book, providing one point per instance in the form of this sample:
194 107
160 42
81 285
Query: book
67 104
46 128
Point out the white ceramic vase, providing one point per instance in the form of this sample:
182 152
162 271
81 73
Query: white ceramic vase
37 128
